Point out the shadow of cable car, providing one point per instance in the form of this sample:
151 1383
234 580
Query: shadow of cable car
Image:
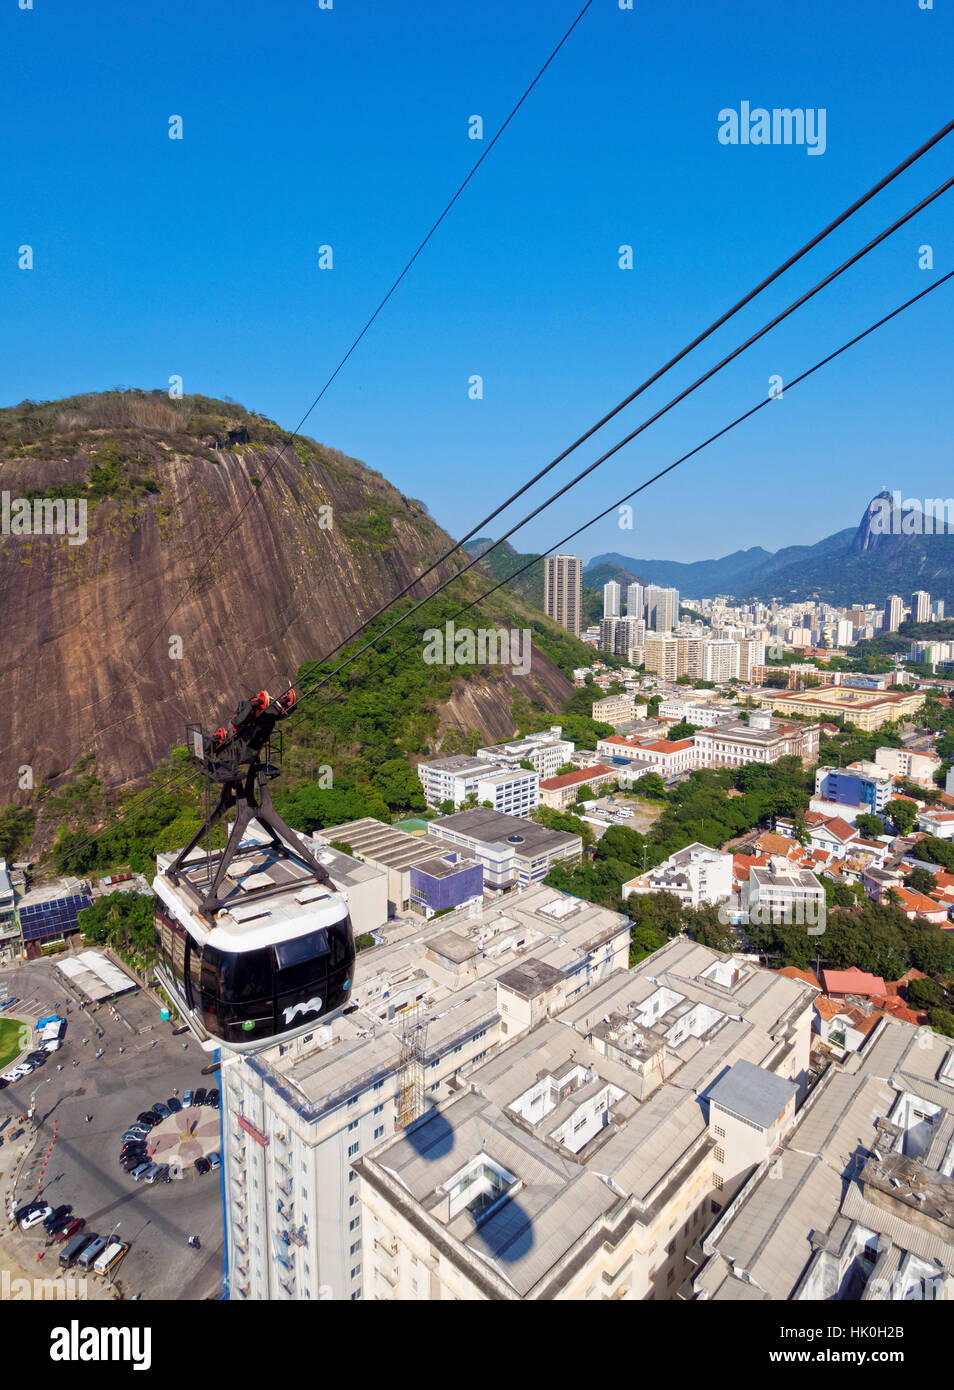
506 1231
430 1136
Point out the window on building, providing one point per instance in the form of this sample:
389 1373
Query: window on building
717 1183
353 1125
355 1223
719 1133
356 1247
352 1199
378 1109
353 1149
352 1175
720 1155
379 1132
356 1271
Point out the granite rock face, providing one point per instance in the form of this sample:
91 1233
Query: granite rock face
164 615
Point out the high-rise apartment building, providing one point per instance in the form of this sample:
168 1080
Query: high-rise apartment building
920 606
611 599
429 1000
662 608
563 591
635 600
893 610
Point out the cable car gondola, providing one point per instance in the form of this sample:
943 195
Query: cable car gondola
254 941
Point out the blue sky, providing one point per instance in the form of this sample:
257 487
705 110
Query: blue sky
348 127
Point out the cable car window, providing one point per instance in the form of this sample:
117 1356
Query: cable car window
246 975
301 948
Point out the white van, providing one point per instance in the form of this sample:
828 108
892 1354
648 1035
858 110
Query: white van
110 1257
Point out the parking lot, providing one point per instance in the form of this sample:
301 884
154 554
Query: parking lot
83 1167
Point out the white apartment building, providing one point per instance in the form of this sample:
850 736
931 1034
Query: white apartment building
453 778
587 1159
855 1201
635 600
695 875
703 716
662 608
545 751
901 762
513 791
611 599
430 1000
782 893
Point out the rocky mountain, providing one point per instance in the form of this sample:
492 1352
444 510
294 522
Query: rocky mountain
162 615
864 564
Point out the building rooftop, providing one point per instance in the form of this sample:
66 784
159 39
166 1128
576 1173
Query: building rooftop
531 978
524 837
752 1092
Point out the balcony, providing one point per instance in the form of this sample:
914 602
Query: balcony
387 1247
389 1276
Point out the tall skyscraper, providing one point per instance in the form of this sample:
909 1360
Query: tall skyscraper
635 600
892 613
662 608
939 608
611 597
920 606
563 591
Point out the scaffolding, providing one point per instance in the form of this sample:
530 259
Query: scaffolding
412 1065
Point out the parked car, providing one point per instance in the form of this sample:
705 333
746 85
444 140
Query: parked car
148 1118
35 1217
56 1216
187 1098
199 1097
4 1122
213 1098
161 1109
140 1172
152 1172
139 1131
202 1165
69 1228
174 1104
214 1161
16 1135
27 1208
163 1174
37 1058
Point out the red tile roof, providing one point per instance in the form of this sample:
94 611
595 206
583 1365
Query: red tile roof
792 972
840 828
853 981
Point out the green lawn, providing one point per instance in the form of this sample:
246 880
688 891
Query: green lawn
11 1044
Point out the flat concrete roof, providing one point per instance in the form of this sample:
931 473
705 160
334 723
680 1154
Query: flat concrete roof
753 1093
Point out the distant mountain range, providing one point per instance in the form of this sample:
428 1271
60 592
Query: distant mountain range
862 565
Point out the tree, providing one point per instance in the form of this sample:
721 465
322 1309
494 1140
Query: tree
16 827
921 880
619 842
942 1021
904 814
924 994
660 911
683 729
872 826
447 807
651 785
704 925
644 940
